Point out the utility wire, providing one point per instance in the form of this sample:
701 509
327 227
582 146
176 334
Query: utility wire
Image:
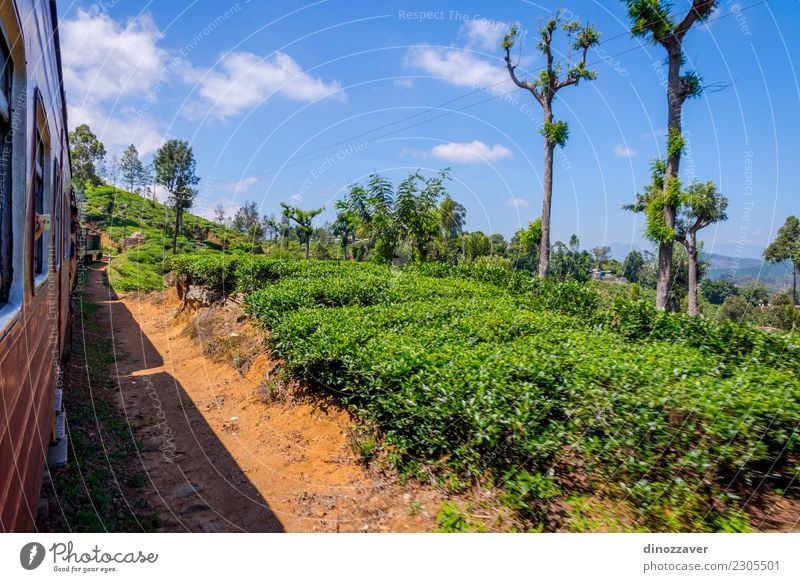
310 155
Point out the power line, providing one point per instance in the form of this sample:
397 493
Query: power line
308 156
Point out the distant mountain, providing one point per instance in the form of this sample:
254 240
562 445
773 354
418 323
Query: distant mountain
734 250
740 270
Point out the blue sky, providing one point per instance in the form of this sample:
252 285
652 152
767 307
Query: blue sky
291 101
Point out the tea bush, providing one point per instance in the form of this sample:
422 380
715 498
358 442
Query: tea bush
529 384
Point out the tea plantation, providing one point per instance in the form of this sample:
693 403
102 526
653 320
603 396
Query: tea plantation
545 390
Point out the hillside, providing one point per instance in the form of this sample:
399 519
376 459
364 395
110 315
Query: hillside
558 396
140 265
741 270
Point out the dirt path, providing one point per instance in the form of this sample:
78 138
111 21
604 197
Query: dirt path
218 458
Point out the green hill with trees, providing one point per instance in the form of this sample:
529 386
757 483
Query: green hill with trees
138 263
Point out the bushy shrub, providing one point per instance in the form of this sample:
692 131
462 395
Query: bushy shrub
271 303
736 308
478 372
492 387
247 248
214 270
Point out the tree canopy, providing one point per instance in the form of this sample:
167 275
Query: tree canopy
86 152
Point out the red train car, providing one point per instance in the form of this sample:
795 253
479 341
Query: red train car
37 253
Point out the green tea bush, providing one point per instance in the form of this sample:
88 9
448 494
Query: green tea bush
269 304
481 387
486 374
214 270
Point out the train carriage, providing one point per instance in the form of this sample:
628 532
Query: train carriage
37 254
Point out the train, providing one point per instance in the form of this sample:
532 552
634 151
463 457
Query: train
39 239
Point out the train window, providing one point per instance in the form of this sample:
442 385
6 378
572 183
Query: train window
57 209
6 234
66 224
38 205
71 219
42 194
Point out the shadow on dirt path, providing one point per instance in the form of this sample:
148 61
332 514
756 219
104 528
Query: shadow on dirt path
215 456
193 478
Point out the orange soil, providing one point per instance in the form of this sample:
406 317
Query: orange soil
221 459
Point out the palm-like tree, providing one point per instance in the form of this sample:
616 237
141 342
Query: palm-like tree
345 226
302 220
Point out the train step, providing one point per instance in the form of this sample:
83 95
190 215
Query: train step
57 451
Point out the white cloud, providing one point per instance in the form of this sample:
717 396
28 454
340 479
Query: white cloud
517 202
104 59
108 66
404 83
484 34
243 80
470 152
623 152
457 66
120 129
656 133
240 186
296 197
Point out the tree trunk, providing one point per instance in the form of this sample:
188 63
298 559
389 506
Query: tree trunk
691 249
308 245
674 106
794 283
177 227
547 197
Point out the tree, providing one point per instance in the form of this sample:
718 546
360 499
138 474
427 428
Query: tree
345 226
111 174
302 220
718 291
651 20
702 207
131 168
285 225
148 184
476 244
452 216
247 220
734 308
85 151
220 214
781 313
544 90
175 170
632 265
416 210
499 245
786 248
272 228
574 243
412 213
613 266
648 275
525 246
570 263
374 208
755 292
601 256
